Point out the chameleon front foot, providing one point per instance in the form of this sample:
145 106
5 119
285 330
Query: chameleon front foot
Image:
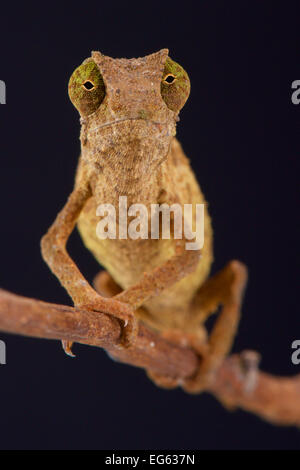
129 329
121 311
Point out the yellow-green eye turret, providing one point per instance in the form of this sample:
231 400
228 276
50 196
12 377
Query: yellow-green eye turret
86 88
175 85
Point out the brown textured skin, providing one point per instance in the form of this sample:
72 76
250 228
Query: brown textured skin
128 148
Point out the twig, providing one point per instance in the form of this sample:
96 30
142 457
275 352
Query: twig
237 383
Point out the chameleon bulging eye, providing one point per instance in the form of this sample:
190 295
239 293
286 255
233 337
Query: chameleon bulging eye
86 88
175 85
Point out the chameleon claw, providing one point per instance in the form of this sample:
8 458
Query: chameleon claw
67 347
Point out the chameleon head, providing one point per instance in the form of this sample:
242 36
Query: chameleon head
128 107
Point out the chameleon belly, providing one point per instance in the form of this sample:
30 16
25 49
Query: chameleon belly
127 260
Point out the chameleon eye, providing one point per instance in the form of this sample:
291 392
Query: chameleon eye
86 88
175 85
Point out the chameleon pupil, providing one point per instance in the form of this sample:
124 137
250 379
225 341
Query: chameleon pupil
169 79
88 85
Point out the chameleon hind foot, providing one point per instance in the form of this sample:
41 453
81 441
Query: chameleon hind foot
226 288
196 341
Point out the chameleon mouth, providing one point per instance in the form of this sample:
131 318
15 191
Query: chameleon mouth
158 125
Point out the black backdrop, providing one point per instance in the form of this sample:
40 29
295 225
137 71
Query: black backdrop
239 128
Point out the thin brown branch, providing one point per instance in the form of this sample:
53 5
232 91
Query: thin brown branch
237 383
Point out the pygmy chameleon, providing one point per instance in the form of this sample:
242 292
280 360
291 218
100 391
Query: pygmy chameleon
128 111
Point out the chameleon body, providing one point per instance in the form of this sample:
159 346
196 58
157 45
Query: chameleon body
129 110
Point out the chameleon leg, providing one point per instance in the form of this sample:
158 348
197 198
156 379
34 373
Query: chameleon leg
53 246
154 282
196 340
225 288
107 287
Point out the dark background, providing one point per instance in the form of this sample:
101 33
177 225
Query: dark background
240 130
